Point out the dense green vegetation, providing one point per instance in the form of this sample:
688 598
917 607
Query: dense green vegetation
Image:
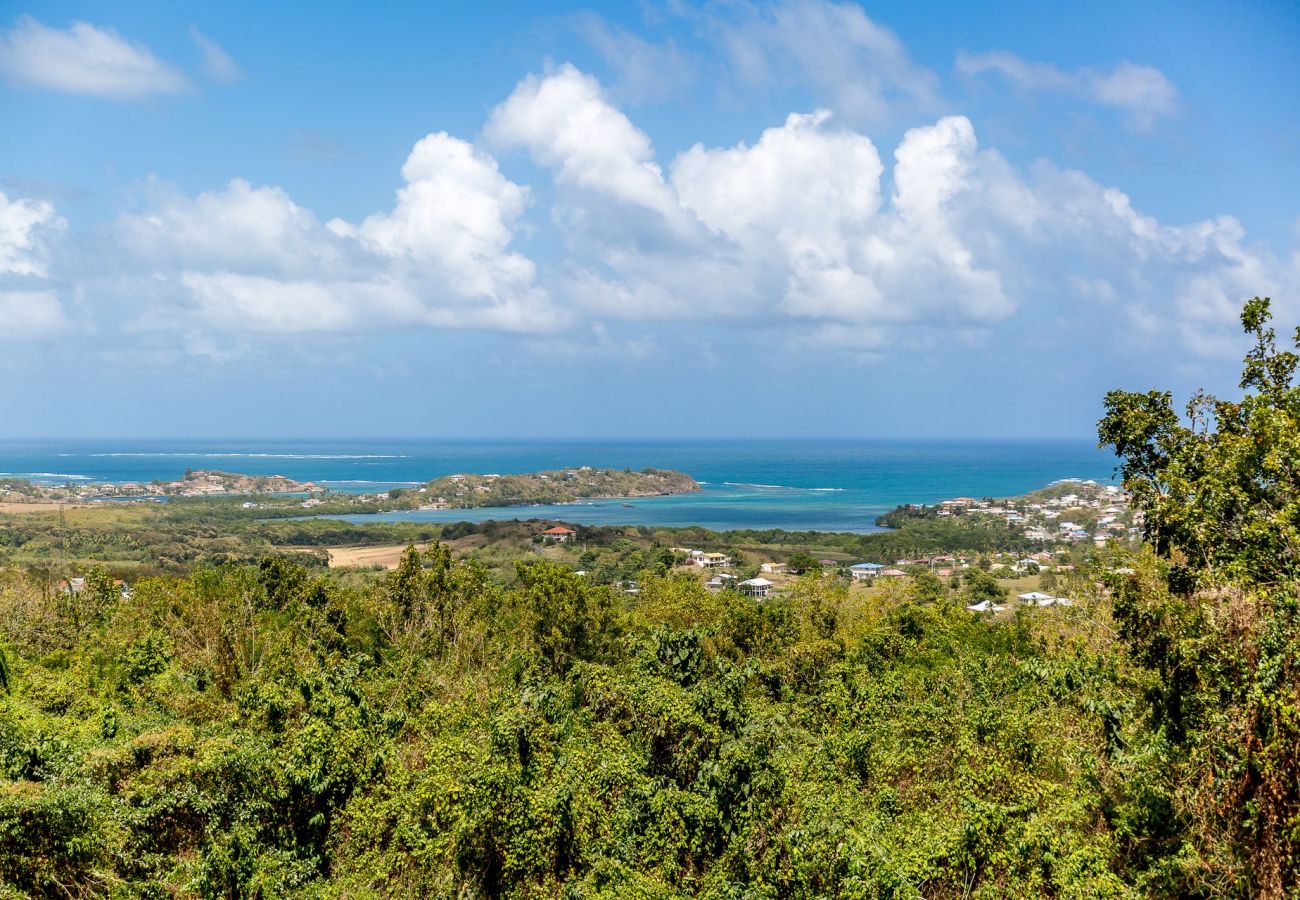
251 731
271 730
171 538
1213 625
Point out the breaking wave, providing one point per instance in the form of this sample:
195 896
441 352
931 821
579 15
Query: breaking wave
778 487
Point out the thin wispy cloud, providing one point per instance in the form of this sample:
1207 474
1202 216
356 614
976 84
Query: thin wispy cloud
857 66
645 70
834 52
217 63
1143 93
85 59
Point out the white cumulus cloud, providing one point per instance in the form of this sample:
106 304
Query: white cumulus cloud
249 258
565 121
789 226
26 228
29 307
252 229
795 228
807 232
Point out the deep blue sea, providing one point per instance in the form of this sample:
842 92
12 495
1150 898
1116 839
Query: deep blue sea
825 485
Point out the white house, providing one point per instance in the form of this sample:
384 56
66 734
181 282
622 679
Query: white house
773 568
709 560
865 571
1036 597
720 581
985 606
756 587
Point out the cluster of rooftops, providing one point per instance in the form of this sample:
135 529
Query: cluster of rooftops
760 587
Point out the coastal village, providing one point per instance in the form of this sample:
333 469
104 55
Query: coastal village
774 576
1069 510
1063 520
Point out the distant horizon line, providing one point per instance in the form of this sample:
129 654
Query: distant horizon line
558 439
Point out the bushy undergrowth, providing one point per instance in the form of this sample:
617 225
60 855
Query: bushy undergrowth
262 732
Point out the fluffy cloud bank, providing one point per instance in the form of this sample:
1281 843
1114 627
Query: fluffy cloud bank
249 258
801 227
809 232
84 59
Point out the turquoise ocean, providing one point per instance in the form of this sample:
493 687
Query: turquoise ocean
825 485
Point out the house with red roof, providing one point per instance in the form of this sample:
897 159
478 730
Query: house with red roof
559 534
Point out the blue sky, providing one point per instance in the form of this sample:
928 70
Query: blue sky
661 219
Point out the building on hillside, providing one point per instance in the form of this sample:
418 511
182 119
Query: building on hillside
710 560
773 568
892 573
1035 597
985 606
865 571
756 587
720 581
559 534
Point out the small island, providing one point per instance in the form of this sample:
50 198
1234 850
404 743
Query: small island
200 483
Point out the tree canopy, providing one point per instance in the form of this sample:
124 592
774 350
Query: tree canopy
1212 618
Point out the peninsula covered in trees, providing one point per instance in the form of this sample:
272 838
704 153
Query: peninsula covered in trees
461 491
559 486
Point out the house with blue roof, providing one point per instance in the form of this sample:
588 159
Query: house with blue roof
865 571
